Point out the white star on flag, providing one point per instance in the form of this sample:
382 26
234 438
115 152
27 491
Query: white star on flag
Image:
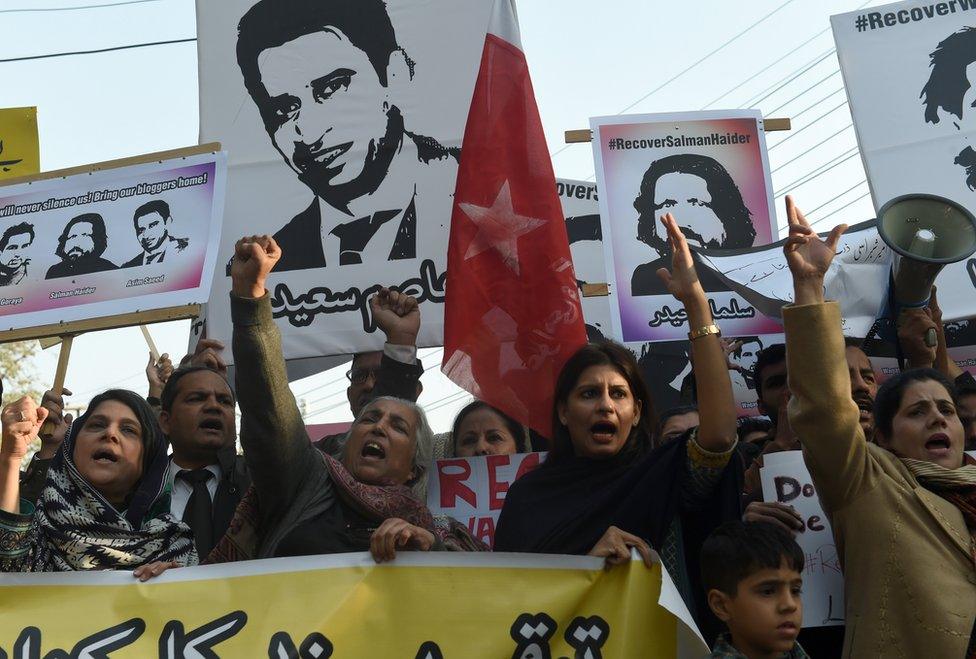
499 228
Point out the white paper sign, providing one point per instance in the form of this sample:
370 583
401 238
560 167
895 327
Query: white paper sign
472 490
785 479
907 69
344 122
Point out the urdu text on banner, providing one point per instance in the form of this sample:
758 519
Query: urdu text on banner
436 605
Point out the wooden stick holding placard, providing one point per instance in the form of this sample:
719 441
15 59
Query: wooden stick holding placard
153 350
59 375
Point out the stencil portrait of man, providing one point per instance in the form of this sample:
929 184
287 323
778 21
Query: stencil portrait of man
327 77
14 243
80 247
949 91
707 205
152 222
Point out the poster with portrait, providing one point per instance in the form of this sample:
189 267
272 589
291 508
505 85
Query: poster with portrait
666 365
109 242
908 71
343 120
710 170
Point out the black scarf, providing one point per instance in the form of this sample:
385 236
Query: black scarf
565 507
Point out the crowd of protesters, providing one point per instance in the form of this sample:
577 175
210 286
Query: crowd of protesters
156 483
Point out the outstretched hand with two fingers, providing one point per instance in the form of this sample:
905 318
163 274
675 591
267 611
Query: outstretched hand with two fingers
682 279
808 256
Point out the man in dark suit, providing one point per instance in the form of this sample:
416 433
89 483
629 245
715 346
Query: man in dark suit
152 221
80 247
207 475
325 75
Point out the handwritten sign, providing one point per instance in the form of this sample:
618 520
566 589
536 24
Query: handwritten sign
472 490
785 479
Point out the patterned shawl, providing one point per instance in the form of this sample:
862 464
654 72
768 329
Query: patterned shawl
376 502
957 486
76 528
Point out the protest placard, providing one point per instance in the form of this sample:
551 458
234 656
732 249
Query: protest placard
98 242
905 72
472 490
434 605
20 152
664 364
707 168
785 479
343 121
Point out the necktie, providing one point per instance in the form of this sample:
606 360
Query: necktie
354 235
199 510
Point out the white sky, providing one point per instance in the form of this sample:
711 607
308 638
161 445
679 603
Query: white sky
586 59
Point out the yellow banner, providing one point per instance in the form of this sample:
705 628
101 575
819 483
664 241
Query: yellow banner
422 606
20 153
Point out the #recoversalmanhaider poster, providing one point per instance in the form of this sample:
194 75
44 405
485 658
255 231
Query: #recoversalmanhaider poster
709 170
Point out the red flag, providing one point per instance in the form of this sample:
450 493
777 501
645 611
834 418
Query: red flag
512 315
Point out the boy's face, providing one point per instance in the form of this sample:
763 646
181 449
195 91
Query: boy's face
766 613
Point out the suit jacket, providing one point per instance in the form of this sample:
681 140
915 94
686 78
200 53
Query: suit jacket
175 244
301 239
909 576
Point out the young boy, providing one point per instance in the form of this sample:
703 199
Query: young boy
751 572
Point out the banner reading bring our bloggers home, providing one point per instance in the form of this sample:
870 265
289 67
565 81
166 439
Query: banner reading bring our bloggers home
423 606
109 242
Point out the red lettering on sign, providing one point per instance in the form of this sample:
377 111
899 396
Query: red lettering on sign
530 462
496 487
452 474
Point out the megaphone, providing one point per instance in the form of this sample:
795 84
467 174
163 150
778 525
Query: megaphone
926 232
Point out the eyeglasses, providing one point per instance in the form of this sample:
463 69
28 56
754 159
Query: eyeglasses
360 375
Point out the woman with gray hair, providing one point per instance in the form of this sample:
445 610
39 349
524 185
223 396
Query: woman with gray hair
303 502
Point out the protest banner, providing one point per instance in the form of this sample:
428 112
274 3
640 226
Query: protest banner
109 244
785 479
707 168
20 152
426 605
343 121
664 364
905 71
472 490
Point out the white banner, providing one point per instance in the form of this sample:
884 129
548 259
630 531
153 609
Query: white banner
344 122
785 479
110 242
905 70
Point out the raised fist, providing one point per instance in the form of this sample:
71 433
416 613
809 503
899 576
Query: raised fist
254 258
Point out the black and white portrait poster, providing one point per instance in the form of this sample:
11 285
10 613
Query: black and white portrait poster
343 120
666 365
909 69
710 170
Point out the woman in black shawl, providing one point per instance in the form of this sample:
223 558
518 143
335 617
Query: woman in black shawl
602 489
105 505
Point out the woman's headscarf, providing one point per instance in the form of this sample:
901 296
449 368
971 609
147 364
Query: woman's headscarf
76 528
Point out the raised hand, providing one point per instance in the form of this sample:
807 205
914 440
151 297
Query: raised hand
254 258
682 280
54 404
21 421
157 373
207 353
808 256
397 315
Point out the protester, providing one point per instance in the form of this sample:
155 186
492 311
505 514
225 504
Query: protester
205 473
304 501
394 371
754 430
480 429
674 423
602 491
752 574
105 506
902 510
